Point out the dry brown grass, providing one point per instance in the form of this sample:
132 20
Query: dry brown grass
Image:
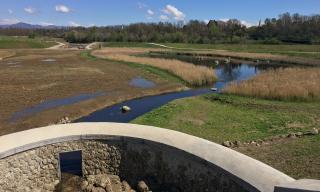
5 53
284 84
192 74
35 81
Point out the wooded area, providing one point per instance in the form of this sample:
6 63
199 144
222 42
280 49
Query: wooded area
286 28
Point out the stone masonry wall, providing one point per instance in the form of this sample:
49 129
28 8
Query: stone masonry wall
164 168
37 169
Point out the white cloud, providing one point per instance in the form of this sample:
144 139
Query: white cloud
74 24
141 5
30 10
248 24
206 21
45 23
176 13
8 21
10 11
243 22
150 12
62 9
224 19
163 18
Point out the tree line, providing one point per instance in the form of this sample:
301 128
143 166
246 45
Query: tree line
286 28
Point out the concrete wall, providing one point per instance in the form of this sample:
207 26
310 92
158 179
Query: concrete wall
167 160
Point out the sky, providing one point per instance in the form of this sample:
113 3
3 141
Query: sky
117 12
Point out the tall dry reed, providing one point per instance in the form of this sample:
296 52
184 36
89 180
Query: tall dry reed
283 84
193 74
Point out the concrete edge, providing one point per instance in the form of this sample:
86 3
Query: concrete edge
259 175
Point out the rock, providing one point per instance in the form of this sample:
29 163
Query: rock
315 131
214 89
227 144
292 135
142 187
84 184
299 134
102 180
125 109
98 189
125 186
238 143
64 120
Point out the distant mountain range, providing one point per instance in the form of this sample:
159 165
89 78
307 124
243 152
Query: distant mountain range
22 25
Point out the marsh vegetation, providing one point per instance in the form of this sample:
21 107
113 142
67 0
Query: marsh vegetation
281 84
194 75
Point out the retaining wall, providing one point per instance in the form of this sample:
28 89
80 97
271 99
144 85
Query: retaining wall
167 160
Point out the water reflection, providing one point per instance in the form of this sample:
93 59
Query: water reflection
142 83
49 104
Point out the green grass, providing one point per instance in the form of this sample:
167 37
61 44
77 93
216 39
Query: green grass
298 50
299 158
7 42
130 44
224 117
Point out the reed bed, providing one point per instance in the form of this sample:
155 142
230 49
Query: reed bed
282 84
194 75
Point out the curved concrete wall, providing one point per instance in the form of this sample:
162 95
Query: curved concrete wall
252 174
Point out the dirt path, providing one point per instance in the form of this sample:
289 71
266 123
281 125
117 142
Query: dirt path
60 45
92 45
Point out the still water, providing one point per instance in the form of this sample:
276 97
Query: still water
226 73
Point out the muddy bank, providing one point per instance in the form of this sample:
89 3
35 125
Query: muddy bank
35 83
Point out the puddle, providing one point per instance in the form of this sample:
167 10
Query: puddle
49 60
50 104
142 83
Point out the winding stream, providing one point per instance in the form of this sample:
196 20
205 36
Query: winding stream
225 72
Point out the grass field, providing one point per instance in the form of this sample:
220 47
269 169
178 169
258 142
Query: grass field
7 42
220 118
297 50
283 84
291 54
192 74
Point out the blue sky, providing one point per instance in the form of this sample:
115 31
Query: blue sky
112 12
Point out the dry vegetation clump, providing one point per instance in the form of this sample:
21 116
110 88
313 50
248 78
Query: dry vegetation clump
192 74
282 84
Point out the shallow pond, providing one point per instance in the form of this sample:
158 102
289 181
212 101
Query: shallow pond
49 104
142 83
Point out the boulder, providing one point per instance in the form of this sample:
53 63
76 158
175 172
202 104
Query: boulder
214 89
125 186
227 144
238 143
125 109
102 181
142 187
